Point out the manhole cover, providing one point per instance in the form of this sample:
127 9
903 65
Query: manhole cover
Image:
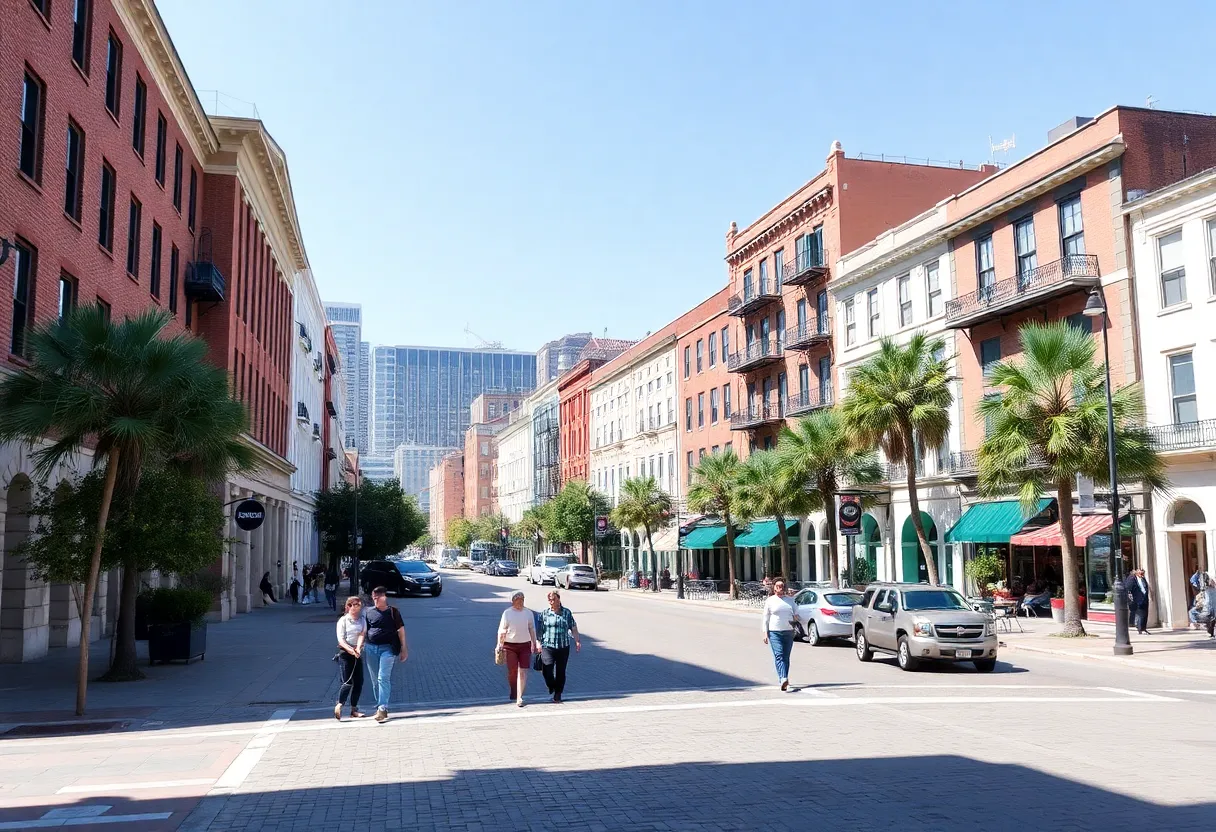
58 729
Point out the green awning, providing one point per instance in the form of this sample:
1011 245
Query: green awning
991 522
706 537
764 533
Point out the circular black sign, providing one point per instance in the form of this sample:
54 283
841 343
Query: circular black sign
249 515
601 524
850 513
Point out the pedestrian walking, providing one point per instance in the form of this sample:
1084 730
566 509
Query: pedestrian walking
293 588
352 630
383 647
778 620
516 642
1209 604
331 588
267 588
1137 601
556 627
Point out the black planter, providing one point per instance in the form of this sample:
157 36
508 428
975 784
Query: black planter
141 618
176 642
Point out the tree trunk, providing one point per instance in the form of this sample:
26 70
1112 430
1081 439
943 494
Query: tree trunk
730 557
654 562
914 504
90 586
1072 609
784 539
829 504
124 666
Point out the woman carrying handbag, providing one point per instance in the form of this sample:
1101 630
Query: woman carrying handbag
352 630
516 640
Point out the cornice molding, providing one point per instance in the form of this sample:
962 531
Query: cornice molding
783 225
267 459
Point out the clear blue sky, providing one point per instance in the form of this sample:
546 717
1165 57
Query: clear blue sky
542 167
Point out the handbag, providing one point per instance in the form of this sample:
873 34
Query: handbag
537 664
498 657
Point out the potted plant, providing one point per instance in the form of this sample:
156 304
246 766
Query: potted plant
177 626
985 570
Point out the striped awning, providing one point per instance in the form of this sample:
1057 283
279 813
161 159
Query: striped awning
1083 526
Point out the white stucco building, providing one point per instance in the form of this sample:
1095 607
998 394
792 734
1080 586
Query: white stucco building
305 440
1174 255
516 490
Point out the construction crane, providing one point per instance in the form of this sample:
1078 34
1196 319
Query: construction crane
485 345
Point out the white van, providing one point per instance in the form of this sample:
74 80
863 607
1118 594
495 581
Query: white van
546 565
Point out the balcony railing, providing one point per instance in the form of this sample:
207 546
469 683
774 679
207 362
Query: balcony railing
758 353
812 333
1026 289
755 416
803 269
1184 436
898 471
750 301
204 282
967 463
809 400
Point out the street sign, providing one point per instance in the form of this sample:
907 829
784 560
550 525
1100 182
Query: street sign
250 514
601 524
850 515
503 534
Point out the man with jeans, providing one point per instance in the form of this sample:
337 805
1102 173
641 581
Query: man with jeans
383 647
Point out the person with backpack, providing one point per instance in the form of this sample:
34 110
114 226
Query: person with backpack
384 645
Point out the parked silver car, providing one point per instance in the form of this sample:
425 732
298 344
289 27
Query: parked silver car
576 576
918 623
825 613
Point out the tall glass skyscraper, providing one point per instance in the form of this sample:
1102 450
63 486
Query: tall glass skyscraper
421 395
346 321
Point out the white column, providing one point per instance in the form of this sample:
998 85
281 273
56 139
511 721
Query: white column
240 574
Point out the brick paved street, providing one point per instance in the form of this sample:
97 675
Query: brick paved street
671 722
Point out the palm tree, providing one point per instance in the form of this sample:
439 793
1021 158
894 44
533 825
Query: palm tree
819 457
766 490
1049 425
643 505
138 398
900 400
714 490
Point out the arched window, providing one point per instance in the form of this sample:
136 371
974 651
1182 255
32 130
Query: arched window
1187 513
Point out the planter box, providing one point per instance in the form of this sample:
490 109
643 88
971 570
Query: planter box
1057 608
176 642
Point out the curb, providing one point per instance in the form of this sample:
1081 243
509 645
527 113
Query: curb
1137 664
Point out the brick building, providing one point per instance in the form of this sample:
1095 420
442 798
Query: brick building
447 495
704 387
480 468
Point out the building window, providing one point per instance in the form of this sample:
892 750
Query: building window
713 405
1072 232
82 20
688 414
985 267
105 225
934 290
113 75
764 276
25 266
989 423
1024 247
690 467
193 198
804 380
32 100
874 321
700 355
154 274
139 119
1173 272
725 342
747 285
687 362
700 410
177 177
73 188
162 137
726 411
778 268
1182 388
67 295
825 380
850 322
990 354
783 394
173 256
780 330
904 288
133 233
713 348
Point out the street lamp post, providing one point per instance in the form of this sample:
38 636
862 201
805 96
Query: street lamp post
354 564
1095 307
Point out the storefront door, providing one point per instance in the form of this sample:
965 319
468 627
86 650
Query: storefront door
1193 557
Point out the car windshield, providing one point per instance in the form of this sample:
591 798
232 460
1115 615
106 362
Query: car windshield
843 599
934 599
582 568
555 563
412 566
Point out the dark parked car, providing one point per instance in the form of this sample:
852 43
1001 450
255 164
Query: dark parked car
402 577
503 568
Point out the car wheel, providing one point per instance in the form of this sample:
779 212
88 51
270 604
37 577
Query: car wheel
864 653
985 665
812 635
904 656
435 592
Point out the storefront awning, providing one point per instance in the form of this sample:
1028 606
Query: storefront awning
706 537
764 533
665 540
1083 526
991 522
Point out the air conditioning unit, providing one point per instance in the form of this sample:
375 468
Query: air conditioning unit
302 413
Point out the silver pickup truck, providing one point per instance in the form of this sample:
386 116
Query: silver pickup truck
919 623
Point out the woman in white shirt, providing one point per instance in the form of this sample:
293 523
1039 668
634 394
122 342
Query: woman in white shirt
516 638
778 619
352 630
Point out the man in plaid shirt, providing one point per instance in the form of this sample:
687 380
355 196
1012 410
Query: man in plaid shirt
556 627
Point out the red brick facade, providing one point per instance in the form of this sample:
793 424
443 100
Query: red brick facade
707 389
574 418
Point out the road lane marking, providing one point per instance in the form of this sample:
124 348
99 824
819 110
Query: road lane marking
1189 690
123 787
1137 694
239 769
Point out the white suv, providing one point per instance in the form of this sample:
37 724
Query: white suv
545 567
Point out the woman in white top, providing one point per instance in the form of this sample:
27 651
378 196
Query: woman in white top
352 630
516 638
778 618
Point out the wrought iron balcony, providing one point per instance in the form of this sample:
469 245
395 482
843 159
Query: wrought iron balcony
756 416
966 464
813 333
758 353
1076 271
751 301
804 269
204 282
1186 436
898 471
807 401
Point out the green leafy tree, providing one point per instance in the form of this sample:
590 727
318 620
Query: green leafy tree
389 519
487 526
424 542
819 457
571 514
714 490
643 505
138 397
1049 425
900 400
460 533
533 523
766 490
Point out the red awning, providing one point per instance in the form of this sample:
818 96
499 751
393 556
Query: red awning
1083 526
